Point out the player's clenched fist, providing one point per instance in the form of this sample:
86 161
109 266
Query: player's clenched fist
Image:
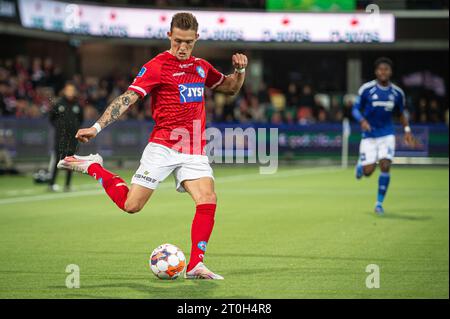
85 134
240 61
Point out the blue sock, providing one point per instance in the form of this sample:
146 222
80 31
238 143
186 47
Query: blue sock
383 184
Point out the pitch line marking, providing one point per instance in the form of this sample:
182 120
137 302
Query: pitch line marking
225 179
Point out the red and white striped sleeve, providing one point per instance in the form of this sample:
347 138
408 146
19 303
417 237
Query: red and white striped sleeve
147 79
214 78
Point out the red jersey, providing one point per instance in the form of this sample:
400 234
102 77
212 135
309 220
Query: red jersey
178 103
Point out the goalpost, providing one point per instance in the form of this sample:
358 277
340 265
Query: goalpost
346 131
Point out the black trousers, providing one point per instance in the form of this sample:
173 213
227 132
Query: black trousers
54 159
63 148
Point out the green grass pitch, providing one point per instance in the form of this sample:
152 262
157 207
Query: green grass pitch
301 233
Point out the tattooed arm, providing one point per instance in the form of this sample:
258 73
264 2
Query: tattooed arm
117 107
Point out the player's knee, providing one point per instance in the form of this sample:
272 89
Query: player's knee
368 173
132 207
368 170
385 169
207 198
385 166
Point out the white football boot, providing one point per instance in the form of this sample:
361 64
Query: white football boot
79 163
201 272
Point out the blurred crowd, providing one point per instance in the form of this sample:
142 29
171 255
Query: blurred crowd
29 86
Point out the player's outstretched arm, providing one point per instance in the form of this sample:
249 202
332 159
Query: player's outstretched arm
117 107
233 82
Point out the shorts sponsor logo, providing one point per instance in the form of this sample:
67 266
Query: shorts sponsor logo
145 178
202 245
142 71
191 92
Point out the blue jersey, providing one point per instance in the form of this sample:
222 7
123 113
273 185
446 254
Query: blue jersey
376 103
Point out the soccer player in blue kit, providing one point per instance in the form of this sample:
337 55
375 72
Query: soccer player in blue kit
374 107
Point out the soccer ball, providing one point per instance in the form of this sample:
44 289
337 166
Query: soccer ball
167 262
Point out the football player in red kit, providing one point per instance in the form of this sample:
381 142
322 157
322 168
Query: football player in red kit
175 80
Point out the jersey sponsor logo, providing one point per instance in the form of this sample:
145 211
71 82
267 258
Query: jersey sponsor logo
184 66
179 74
201 72
388 105
142 71
191 92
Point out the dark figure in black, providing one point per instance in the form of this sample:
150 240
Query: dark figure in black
66 117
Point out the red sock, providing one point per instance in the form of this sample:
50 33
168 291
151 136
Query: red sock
114 186
202 226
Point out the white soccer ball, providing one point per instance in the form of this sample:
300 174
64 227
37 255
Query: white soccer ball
167 261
